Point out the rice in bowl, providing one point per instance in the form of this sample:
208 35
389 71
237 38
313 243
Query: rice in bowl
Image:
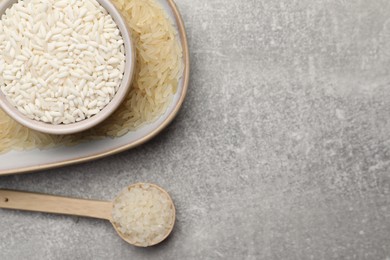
60 61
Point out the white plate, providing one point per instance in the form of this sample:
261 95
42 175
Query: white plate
33 160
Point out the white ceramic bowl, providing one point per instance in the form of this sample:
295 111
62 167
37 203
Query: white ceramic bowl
19 162
105 112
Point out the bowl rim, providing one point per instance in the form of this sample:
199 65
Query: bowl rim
116 101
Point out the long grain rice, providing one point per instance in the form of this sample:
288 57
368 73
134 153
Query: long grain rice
143 214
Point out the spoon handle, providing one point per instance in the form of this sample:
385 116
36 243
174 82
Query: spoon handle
55 204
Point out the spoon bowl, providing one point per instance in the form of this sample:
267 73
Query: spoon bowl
172 221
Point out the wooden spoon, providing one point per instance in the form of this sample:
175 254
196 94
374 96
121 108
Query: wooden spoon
72 206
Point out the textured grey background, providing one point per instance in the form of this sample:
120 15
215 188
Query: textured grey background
281 151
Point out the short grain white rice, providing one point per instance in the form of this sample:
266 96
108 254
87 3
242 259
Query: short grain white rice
52 73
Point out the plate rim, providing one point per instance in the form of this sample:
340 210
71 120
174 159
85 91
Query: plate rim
144 139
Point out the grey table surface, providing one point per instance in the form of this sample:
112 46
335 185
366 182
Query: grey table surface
281 151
